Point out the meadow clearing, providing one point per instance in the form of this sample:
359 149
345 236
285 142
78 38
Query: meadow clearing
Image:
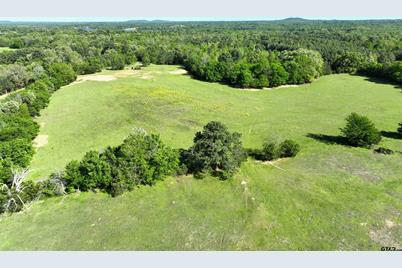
329 197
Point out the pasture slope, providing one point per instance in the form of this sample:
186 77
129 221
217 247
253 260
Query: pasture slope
329 197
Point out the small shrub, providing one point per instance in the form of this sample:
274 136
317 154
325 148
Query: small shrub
382 150
288 148
400 129
269 151
360 131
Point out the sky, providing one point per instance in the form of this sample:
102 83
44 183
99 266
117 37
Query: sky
179 10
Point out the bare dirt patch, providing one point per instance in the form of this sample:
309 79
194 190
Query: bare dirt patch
146 76
126 73
252 89
40 141
388 234
285 86
178 71
267 88
93 77
101 78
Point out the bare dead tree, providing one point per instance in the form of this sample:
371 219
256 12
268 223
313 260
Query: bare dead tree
12 191
18 177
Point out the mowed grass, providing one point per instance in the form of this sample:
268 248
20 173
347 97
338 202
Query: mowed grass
329 197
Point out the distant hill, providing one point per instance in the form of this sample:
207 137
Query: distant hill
294 20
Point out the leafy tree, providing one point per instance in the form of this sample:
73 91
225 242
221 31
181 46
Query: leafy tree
61 74
115 59
146 60
360 131
91 173
13 77
349 62
216 151
278 75
148 156
42 97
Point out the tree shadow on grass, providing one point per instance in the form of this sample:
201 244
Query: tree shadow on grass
328 139
380 80
391 134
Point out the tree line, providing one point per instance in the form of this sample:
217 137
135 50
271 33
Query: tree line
242 54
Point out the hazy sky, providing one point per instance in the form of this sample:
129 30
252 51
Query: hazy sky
107 10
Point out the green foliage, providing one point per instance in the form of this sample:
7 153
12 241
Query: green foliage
115 60
6 166
18 125
41 99
145 60
61 74
19 151
90 66
400 129
90 173
215 151
288 148
140 159
271 150
350 62
12 77
360 131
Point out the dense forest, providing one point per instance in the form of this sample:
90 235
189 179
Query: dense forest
43 57
242 54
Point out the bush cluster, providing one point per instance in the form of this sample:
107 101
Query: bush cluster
255 68
272 150
382 150
140 160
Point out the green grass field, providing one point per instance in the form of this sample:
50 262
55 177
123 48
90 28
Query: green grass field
5 49
329 197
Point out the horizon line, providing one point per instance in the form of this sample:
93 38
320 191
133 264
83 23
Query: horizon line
182 19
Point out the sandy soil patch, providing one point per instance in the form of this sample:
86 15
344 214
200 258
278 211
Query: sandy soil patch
178 71
267 88
101 78
126 73
40 141
93 77
146 76
251 89
285 86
